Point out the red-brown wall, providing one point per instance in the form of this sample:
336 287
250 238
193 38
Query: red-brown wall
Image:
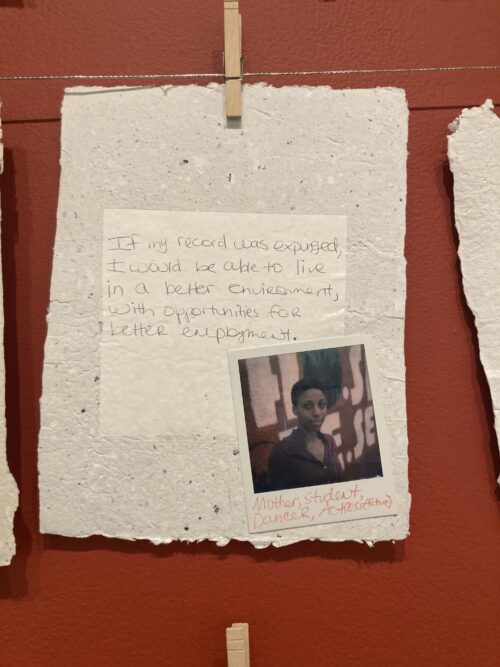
432 600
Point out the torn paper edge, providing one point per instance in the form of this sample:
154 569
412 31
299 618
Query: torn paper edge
486 113
8 487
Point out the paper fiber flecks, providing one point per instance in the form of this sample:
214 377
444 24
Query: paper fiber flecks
301 151
8 488
474 154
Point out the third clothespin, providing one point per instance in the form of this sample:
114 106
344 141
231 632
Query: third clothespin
237 643
233 63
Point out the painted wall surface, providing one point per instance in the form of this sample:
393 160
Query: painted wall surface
430 600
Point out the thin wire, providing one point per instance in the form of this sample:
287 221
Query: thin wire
205 75
56 77
377 71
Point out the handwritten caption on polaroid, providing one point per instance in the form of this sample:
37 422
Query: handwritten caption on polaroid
185 277
320 504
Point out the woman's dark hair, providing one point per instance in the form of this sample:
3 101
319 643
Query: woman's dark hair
303 385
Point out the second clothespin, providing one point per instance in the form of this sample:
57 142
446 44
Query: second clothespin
237 643
233 61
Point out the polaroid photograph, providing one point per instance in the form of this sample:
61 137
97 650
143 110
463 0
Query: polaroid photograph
311 431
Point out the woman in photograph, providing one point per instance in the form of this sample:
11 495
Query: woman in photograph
306 457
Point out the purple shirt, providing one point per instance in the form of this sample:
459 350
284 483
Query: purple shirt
291 465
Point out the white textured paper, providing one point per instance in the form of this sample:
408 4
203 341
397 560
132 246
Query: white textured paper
8 488
183 288
474 154
301 151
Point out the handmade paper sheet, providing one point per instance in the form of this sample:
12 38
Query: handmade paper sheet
474 154
301 152
8 488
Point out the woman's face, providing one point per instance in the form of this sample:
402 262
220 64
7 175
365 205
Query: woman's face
311 409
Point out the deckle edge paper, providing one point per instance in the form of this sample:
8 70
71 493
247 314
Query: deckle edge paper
112 158
474 155
8 488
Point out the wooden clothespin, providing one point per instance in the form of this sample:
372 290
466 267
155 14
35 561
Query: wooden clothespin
233 62
237 644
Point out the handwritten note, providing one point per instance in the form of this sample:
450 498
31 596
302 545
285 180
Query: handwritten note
181 288
305 507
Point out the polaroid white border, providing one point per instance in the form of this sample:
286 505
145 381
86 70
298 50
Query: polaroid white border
273 511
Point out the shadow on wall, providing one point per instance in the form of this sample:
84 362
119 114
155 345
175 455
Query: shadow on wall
387 552
18 4
13 579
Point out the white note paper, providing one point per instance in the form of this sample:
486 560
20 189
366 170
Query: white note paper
8 488
182 288
474 153
300 152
